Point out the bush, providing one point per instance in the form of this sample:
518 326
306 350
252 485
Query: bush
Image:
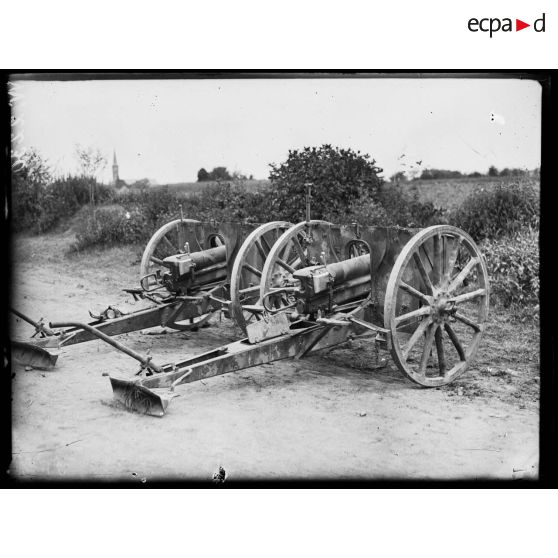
406 210
367 211
513 268
40 203
502 210
30 175
111 225
141 213
63 197
339 178
436 174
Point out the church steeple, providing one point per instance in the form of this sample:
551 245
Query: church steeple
114 169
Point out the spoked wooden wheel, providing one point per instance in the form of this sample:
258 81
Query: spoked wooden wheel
300 246
356 248
247 270
436 305
169 240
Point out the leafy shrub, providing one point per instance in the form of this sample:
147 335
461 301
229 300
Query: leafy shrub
513 268
111 225
30 175
367 211
406 210
339 177
502 210
63 197
39 203
154 204
435 174
140 213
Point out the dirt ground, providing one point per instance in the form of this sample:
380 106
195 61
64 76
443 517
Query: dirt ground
335 416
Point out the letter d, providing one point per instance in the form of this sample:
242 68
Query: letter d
535 25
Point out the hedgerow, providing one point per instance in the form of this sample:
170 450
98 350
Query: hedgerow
513 268
502 210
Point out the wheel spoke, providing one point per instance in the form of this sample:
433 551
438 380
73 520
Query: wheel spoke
455 341
261 250
437 275
252 269
444 256
416 293
299 249
426 255
452 258
285 265
285 254
295 263
428 342
250 290
170 245
463 274
466 321
423 273
467 296
440 350
423 311
415 337
265 244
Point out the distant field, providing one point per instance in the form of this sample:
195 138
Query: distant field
450 193
443 193
189 187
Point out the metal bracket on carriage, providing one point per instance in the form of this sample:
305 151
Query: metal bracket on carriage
108 314
156 297
150 287
274 293
268 327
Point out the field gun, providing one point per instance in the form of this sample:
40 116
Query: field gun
422 294
187 273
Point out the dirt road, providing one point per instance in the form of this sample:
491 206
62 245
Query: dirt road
333 416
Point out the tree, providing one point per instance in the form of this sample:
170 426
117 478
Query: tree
220 173
237 175
492 171
203 175
31 175
439 174
141 184
338 177
91 161
398 177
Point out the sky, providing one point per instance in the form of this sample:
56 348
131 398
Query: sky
166 130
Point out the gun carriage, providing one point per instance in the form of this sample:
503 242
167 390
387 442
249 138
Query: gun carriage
187 273
294 290
422 294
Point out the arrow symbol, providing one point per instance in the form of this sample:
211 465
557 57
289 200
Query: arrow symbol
519 25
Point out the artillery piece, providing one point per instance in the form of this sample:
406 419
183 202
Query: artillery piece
189 270
422 294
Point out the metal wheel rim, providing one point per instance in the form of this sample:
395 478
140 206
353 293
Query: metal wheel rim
444 289
277 251
254 241
191 323
156 239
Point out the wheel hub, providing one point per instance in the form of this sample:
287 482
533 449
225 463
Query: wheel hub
441 306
